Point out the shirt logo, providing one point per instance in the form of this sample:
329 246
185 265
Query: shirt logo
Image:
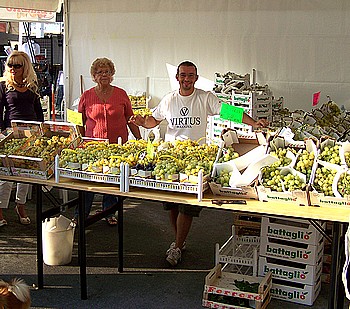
184 111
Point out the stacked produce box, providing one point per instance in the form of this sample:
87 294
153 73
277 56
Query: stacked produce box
257 101
13 139
224 86
35 157
239 254
292 250
229 290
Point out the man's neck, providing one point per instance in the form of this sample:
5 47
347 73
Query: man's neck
186 93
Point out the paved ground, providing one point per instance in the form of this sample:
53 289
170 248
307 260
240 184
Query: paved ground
148 282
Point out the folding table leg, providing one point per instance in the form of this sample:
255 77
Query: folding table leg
121 236
82 246
39 234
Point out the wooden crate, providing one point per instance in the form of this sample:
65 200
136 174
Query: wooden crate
220 290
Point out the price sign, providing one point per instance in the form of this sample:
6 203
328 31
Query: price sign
74 117
232 113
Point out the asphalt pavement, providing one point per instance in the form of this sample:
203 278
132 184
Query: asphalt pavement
147 281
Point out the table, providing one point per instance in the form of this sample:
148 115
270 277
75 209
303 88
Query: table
340 216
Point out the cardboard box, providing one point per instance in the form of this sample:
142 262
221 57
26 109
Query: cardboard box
291 251
244 169
298 197
297 230
286 270
295 292
37 167
222 283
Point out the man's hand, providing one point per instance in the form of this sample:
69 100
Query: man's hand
261 123
137 120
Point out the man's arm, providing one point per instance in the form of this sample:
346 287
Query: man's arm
147 122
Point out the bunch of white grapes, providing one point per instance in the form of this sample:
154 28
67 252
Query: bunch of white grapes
274 180
330 154
228 154
223 178
305 162
344 184
323 180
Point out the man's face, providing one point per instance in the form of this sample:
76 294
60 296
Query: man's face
186 77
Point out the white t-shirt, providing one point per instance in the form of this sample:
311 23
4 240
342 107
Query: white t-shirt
187 115
36 49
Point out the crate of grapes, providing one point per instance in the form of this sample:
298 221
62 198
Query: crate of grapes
13 138
93 160
35 158
238 164
230 290
329 177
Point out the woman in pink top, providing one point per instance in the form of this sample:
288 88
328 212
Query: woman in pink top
106 110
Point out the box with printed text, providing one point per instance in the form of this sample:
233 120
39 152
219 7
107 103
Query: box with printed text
297 230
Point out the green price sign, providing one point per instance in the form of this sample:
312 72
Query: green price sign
232 113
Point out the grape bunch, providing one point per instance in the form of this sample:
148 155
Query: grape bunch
304 163
228 153
323 180
11 145
280 154
273 179
164 169
330 154
344 184
223 178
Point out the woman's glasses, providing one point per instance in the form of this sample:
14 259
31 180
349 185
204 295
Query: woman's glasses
103 73
15 66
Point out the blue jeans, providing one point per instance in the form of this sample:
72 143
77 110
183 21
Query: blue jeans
107 201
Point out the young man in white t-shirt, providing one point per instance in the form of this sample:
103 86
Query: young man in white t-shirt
186 111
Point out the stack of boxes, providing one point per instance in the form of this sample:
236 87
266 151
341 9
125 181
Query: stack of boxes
233 282
292 250
224 85
257 101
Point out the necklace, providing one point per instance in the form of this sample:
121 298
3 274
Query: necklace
20 85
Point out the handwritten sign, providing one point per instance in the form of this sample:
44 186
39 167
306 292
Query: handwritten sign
74 117
316 98
232 113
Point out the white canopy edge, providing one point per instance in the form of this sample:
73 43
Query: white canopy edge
42 5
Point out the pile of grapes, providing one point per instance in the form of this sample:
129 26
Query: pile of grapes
162 159
304 163
11 145
324 176
344 184
273 178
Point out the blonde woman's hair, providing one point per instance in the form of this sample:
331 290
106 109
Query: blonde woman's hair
101 62
29 76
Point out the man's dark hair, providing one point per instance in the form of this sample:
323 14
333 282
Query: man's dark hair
186 64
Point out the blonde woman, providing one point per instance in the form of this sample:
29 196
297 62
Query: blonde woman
19 100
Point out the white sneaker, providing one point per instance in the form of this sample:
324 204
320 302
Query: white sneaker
174 256
172 246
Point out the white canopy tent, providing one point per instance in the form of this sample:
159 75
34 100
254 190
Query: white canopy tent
297 47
